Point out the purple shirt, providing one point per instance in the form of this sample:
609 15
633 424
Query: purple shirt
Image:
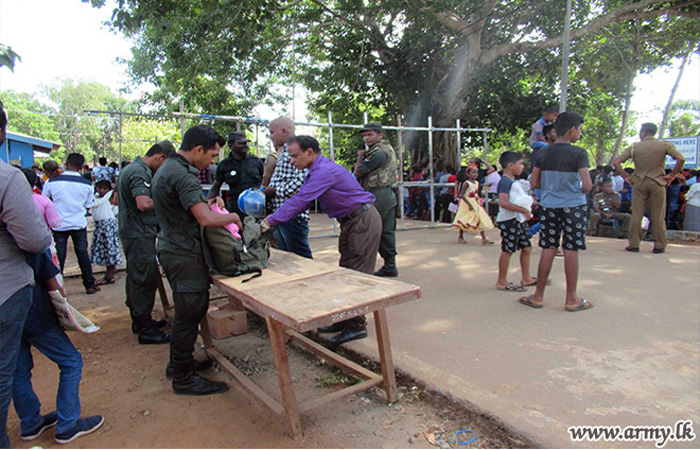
330 183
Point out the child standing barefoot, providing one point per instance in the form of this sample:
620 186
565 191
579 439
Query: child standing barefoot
105 239
513 212
471 216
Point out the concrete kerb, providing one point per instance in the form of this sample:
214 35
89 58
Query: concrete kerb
515 438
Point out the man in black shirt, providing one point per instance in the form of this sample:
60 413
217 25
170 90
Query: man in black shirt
240 170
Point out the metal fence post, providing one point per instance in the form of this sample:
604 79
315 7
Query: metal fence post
401 166
432 176
459 145
330 140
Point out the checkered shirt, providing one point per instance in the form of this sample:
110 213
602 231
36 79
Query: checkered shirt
286 180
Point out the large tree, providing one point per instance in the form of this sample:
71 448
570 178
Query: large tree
486 62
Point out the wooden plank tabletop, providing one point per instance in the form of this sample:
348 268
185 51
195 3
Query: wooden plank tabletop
304 294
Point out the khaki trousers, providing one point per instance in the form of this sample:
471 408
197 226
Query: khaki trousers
648 195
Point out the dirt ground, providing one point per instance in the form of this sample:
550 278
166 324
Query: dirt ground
125 383
634 358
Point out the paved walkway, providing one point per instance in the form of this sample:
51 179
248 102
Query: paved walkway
633 360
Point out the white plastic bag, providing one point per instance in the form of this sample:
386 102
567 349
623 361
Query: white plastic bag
70 318
453 206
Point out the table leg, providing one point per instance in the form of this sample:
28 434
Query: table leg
385 357
206 336
163 295
235 303
284 376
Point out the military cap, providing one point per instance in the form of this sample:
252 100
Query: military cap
372 126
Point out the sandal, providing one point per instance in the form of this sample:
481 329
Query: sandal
105 280
534 282
461 241
512 287
486 242
582 306
527 301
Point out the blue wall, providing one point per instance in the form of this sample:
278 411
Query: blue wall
21 151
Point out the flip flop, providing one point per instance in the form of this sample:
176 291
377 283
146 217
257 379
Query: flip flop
512 287
527 302
547 283
583 305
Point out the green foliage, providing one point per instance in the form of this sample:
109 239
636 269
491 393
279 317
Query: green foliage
29 116
8 57
88 135
685 118
140 134
488 63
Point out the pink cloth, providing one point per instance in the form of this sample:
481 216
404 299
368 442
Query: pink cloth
232 227
48 210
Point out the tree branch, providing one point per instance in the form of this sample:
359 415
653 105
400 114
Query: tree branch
622 13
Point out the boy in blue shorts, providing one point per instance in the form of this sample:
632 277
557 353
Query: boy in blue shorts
513 214
561 171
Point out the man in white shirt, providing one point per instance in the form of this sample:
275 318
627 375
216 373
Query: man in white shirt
72 194
618 183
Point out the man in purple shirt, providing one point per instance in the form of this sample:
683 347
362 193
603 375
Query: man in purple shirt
343 198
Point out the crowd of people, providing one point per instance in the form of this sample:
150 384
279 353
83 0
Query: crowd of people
152 209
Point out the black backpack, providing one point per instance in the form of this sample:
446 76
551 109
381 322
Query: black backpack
231 257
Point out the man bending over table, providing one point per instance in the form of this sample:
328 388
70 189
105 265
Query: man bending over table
343 198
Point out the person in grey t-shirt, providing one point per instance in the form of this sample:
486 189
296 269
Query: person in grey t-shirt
22 229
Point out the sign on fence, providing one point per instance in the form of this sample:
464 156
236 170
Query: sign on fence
688 146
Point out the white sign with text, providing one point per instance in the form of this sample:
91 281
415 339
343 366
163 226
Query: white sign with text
688 146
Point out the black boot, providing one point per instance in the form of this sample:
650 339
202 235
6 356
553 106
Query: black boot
187 382
338 326
148 334
388 269
348 334
197 365
154 323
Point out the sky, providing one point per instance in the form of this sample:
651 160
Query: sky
66 39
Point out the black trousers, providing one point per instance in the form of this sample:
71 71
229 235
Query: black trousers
142 275
189 278
80 245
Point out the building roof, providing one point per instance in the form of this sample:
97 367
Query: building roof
39 145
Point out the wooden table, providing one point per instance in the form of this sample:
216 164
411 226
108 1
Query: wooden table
296 295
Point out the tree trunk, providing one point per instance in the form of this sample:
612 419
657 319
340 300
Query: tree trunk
625 116
664 121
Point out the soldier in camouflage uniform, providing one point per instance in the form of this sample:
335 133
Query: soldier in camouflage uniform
377 171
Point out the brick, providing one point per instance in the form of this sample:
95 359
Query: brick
225 322
237 323
218 326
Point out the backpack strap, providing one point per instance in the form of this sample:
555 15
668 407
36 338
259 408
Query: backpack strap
254 242
205 249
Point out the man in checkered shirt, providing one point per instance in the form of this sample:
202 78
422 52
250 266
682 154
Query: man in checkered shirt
293 235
